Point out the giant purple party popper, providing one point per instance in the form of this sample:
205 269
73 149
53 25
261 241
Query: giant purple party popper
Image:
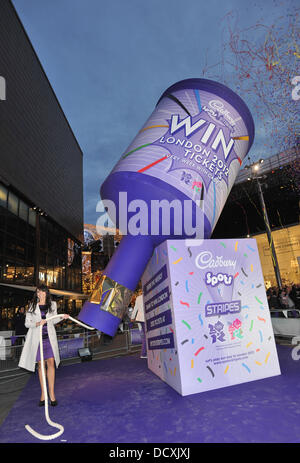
188 153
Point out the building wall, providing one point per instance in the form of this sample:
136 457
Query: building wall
39 154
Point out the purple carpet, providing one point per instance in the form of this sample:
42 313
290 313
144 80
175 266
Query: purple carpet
120 401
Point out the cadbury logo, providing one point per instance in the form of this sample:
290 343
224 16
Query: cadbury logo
205 260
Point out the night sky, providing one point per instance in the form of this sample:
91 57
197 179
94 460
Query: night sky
109 62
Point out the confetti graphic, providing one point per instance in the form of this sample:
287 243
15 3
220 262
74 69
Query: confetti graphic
198 351
267 357
186 324
211 371
244 272
247 368
184 303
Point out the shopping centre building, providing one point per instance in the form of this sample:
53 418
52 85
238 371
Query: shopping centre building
41 180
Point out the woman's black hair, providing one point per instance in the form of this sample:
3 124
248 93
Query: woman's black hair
35 298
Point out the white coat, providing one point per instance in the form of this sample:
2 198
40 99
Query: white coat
138 311
30 348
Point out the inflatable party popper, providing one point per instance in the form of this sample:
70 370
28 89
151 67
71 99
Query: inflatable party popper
188 152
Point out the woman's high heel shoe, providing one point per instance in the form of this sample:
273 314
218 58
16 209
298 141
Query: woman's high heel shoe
53 402
41 403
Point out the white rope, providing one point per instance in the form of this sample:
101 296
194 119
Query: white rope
49 421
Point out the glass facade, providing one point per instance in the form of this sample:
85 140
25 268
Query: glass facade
34 249
17 239
287 248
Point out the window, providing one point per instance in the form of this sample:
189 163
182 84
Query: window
3 196
23 211
13 203
32 217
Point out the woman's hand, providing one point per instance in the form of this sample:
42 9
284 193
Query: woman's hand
42 322
65 315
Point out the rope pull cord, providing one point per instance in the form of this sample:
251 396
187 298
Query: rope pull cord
49 421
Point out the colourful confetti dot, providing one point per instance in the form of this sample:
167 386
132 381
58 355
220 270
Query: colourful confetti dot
223 244
211 371
249 344
226 369
251 326
198 351
186 324
187 286
174 249
268 355
184 303
246 366
200 319
244 272
199 379
261 319
258 300
236 245
192 363
199 298
177 261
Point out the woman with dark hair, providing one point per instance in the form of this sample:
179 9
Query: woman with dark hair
41 308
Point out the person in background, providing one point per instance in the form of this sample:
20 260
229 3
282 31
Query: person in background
41 308
139 317
19 327
295 295
274 303
285 299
